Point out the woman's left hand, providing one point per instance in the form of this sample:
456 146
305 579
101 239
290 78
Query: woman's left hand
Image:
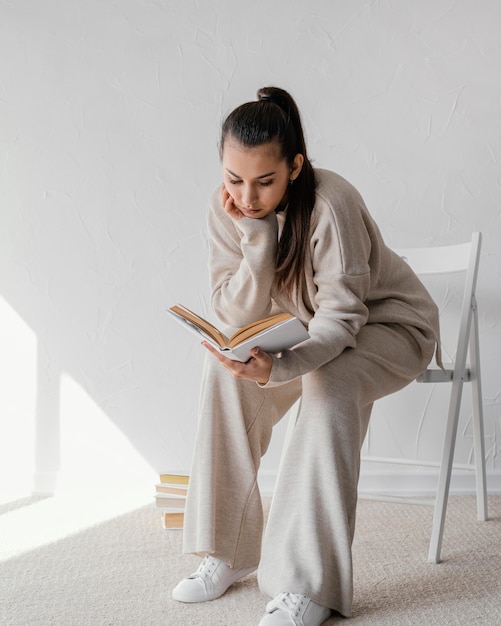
257 368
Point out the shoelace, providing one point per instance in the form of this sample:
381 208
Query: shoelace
292 602
205 568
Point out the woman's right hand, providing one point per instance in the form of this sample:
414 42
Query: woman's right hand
229 205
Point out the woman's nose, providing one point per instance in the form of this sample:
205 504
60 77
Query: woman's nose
248 196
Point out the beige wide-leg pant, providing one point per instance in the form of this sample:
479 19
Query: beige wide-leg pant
306 547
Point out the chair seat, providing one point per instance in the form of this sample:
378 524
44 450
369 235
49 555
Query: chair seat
437 375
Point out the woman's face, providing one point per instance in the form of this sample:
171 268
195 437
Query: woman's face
257 178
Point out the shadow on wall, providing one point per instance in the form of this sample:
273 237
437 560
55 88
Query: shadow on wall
90 393
50 423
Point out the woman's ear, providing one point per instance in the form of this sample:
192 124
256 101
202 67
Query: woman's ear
296 166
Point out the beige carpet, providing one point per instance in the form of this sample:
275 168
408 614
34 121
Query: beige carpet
120 571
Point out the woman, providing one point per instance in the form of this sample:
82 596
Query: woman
287 237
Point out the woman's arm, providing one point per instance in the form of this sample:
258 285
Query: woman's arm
242 265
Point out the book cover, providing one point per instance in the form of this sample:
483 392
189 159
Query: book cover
175 478
174 489
165 501
172 520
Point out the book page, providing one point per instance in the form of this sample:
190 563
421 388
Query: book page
253 329
205 326
274 339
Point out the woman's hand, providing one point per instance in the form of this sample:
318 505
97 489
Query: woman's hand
229 205
257 368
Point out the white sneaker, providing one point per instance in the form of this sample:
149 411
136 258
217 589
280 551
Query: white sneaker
210 581
291 609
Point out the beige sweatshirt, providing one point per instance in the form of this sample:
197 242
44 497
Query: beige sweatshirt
351 277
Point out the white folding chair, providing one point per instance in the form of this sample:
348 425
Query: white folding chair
445 260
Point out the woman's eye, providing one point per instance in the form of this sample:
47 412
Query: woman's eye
234 181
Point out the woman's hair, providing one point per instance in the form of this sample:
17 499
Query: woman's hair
275 118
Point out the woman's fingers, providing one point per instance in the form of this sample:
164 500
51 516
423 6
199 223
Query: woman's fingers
229 205
257 368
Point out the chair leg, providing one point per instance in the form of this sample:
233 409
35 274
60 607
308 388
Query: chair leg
478 422
445 471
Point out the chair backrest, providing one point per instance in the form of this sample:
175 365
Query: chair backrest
446 260
443 259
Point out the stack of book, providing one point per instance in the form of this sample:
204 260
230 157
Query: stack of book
170 498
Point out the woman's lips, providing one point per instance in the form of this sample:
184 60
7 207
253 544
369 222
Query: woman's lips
249 210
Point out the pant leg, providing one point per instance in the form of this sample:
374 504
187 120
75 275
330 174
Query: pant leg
307 543
224 514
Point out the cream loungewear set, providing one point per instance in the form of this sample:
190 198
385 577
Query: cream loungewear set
373 328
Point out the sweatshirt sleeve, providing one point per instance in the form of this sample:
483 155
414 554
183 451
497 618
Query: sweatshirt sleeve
242 261
340 250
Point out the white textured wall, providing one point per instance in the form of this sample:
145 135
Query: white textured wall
109 120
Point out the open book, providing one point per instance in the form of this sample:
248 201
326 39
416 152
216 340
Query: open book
271 334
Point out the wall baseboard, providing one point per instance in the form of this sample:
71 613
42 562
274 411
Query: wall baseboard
405 483
423 483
